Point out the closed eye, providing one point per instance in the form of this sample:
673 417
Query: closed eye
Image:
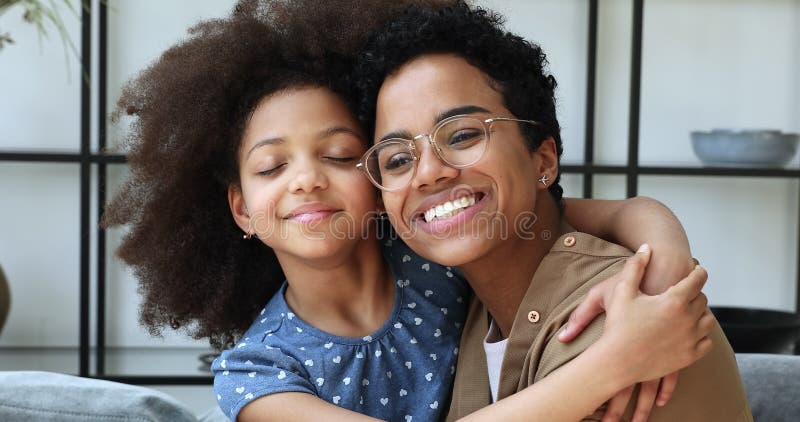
272 170
341 159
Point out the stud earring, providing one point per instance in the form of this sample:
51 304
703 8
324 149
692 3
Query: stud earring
247 236
544 179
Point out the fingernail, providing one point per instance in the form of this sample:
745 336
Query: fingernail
644 248
563 332
660 403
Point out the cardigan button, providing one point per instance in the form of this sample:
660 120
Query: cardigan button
533 316
569 241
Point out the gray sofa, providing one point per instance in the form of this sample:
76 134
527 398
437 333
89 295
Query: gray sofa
51 397
772 383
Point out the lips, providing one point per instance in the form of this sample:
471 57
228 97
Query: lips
445 211
308 213
449 208
447 203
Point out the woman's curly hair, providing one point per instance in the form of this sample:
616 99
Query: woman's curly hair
517 67
189 110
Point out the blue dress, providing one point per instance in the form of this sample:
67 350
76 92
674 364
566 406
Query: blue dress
403 371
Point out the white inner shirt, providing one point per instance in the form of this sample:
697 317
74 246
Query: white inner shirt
494 357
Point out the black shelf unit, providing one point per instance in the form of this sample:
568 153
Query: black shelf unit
86 159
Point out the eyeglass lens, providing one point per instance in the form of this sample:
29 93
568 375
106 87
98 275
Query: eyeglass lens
459 142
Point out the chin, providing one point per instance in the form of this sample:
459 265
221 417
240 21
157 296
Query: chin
450 252
321 250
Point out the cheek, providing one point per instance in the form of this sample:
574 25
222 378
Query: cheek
257 193
393 202
262 199
510 165
358 189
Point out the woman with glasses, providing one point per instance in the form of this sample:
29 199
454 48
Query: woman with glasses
251 225
466 152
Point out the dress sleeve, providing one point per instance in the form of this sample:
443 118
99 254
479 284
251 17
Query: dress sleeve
251 370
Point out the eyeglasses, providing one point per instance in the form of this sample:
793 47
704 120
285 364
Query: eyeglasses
459 141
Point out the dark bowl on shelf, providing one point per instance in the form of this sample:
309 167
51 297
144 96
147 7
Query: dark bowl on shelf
759 330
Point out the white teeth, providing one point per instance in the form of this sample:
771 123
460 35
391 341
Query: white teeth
449 208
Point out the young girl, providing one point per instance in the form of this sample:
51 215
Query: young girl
235 121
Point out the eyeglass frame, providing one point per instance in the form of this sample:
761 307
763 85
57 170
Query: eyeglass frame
486 123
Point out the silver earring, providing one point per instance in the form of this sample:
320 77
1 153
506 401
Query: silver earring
544 179
247 236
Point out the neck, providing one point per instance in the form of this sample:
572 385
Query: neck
501 278
349 295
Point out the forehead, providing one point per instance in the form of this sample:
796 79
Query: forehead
429 85
296 106
298 111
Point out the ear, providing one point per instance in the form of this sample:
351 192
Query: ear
238 207
546 161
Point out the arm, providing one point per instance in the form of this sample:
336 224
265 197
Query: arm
296 407
584 381
644 337
633 222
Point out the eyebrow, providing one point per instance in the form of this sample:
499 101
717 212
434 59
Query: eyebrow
335 130
263 142
326 133
467 109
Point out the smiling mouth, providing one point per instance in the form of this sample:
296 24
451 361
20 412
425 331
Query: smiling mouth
451 208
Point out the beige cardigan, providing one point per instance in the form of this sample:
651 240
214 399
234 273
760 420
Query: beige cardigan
709 390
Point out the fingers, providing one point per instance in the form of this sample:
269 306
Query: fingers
699 304
617 404
645 401
690 287
703 347
633 272
706 323
594 303
704 327
592 306
668 384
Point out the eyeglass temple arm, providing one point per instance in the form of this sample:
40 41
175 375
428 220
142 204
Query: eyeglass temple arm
510 119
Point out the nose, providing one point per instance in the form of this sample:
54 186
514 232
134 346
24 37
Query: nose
430 168
308 176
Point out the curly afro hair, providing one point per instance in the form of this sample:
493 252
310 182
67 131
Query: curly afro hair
517 67
189 110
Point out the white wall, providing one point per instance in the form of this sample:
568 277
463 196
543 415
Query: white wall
739 69
705 64
39 206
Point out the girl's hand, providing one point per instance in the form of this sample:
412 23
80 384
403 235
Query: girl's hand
651 393
623 288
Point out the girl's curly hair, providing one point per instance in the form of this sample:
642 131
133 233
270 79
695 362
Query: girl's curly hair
189 109
518 68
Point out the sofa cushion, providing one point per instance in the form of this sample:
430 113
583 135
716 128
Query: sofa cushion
772 384
48 396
